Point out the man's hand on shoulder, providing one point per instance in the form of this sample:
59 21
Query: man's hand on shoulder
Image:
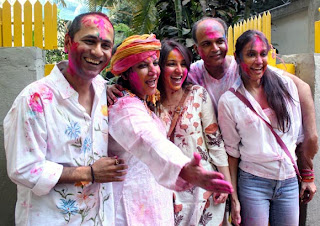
114 91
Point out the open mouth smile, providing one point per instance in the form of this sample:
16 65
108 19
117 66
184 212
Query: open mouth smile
151 83
91 61
176 79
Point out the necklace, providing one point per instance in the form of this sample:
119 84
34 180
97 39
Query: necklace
129 93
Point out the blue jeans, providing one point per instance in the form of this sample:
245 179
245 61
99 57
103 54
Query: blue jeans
264 200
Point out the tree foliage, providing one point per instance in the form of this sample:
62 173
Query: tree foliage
57 55
178 25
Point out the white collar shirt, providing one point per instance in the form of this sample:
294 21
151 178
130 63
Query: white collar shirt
46 129
247 137
216 87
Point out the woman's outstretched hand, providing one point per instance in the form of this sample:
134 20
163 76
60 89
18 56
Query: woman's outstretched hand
194 173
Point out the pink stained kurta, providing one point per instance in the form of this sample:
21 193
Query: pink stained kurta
197 131
154 164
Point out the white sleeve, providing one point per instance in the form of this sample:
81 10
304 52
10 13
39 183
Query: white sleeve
135 130
25 136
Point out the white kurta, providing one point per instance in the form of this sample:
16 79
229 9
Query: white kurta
139 138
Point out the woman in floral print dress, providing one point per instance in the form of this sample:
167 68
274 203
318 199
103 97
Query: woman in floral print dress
196 130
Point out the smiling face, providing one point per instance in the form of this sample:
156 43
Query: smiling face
254 59
212 44
175 71
143 77
90 49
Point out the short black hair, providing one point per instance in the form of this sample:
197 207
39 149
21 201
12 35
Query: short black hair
217 19
75 25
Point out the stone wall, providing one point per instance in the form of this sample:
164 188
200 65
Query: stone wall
18 68
292 30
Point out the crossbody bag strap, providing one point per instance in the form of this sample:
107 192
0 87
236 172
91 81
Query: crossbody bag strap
177 113
279 140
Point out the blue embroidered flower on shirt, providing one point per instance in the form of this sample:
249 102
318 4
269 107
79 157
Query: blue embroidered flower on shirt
73 130
68 206
87 144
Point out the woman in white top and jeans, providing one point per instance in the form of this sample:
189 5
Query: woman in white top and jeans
266 186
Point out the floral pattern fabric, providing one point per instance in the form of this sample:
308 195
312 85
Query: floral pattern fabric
154 165
197 131
45 130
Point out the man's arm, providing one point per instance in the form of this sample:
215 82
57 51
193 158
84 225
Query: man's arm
309 147
104 170
235 204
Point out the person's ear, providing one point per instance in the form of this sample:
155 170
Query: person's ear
67 43
195 47
236 58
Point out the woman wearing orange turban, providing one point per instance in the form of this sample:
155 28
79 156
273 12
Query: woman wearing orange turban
155 165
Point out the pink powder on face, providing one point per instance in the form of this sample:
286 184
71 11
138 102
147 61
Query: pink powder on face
101 25
201 53
72 58
135 82
185 72
99 22
212 29
245 68
259 45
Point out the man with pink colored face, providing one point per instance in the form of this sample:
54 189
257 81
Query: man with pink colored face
217 72
56 136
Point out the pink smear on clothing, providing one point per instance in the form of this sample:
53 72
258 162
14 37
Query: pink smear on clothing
36 171
34 103
46 93
26 205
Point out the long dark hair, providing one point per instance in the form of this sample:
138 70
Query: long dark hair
167 46
276 92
